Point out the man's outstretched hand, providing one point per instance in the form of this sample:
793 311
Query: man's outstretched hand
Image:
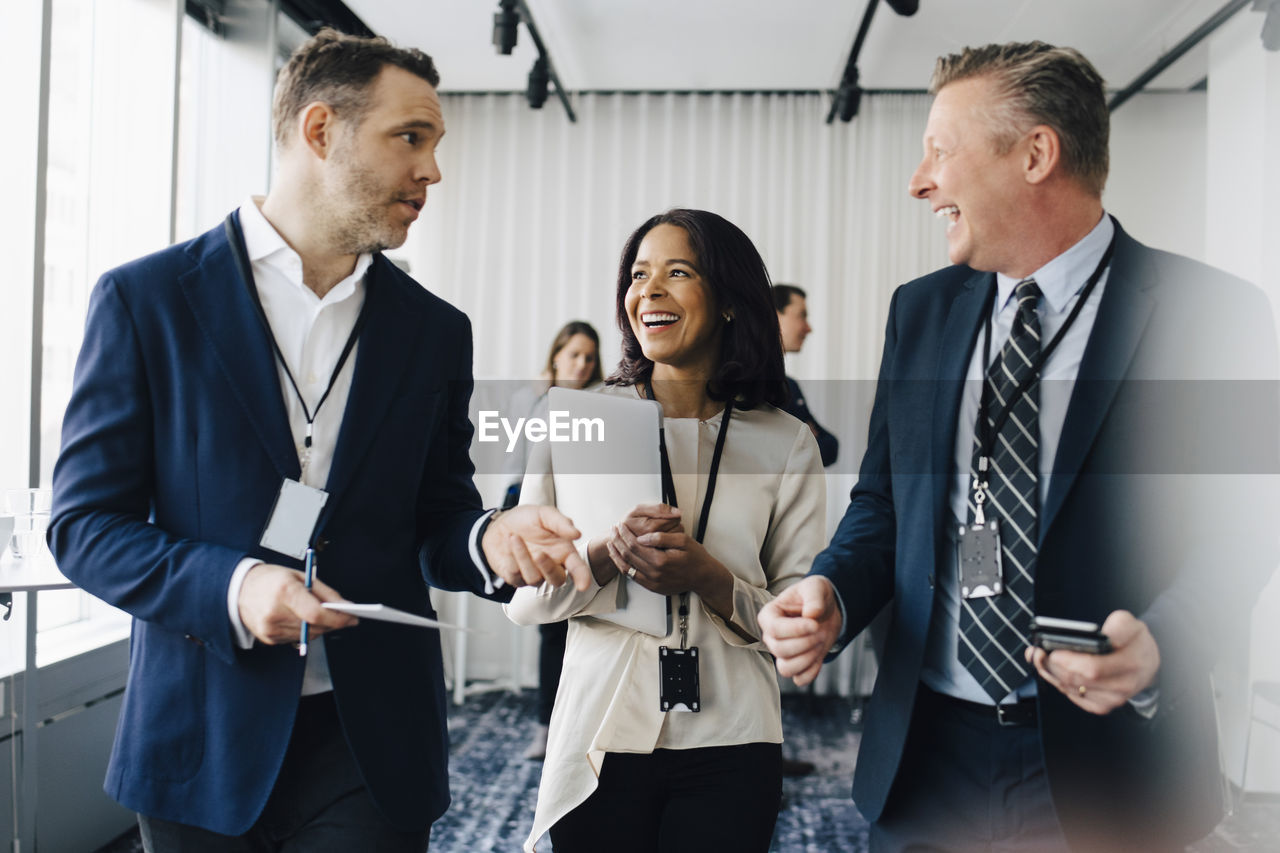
529 544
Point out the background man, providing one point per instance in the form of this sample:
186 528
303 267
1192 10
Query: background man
793 320
1111 494
279 348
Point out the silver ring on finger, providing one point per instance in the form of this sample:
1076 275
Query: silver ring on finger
631 572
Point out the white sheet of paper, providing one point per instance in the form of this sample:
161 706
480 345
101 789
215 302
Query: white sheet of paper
390 614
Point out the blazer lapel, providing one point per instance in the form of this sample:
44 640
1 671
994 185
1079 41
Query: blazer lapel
392 326
956 344
1122 316
223 309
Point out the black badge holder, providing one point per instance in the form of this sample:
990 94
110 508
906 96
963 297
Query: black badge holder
678 675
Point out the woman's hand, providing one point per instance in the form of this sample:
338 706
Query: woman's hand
670 562
653 518
644 518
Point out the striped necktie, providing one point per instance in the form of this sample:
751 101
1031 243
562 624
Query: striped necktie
994 630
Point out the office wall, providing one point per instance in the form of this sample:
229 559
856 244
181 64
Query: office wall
1241 236
1158 184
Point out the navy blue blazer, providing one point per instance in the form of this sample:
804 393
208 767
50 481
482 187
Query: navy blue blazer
175 442
828 444
1114 531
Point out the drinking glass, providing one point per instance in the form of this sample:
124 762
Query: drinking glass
30 511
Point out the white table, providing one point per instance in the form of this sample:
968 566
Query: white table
31 576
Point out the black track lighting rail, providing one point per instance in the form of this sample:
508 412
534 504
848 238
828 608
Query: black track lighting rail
1175 53
527 17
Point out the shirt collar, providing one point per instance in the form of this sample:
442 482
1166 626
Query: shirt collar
1064 276
265 245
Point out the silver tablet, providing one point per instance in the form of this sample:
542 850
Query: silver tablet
604 461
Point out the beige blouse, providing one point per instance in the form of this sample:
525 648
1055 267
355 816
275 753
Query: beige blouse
767 523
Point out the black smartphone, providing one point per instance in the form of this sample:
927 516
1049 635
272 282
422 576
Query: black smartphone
1073 635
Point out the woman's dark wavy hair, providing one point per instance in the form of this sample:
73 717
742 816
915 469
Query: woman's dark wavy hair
750 368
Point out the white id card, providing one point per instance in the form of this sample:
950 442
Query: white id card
293 519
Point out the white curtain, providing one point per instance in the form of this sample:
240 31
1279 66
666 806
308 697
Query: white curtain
525 231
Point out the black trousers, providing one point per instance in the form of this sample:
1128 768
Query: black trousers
319 803
678 800
550 663
967 783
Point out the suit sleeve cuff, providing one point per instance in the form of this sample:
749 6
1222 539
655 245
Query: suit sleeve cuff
491 581
1146 703
841 640
242 636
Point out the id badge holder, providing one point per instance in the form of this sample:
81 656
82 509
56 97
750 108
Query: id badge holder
678 679
978 558
293 519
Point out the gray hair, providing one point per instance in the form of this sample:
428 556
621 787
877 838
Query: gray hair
1037 83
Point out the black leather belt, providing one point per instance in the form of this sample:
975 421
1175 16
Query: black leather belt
1021 713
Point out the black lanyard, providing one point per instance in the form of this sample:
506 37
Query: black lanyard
669 494
668 482
236 237
987 434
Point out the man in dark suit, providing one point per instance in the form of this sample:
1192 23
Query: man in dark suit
1047 439
793 321
274 384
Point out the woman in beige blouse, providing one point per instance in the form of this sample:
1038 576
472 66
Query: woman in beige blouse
700 335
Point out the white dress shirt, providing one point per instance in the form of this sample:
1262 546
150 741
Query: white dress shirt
311 332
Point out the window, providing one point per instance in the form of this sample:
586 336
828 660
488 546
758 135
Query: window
19 145
156 127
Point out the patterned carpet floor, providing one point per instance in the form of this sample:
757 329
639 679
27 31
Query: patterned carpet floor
494 788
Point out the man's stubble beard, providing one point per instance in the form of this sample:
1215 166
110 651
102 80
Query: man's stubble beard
355 207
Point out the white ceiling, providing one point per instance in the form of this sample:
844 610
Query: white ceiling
662 45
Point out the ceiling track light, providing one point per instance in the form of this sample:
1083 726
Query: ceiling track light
848 97
539 77
506 23
543 74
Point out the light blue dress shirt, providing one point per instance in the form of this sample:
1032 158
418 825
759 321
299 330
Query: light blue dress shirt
1061 282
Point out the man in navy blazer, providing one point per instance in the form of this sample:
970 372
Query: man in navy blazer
1152 519
793 322
282 346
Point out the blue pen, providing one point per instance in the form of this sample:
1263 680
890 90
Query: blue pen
308 573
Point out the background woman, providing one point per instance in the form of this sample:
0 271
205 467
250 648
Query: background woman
700 335
572 362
